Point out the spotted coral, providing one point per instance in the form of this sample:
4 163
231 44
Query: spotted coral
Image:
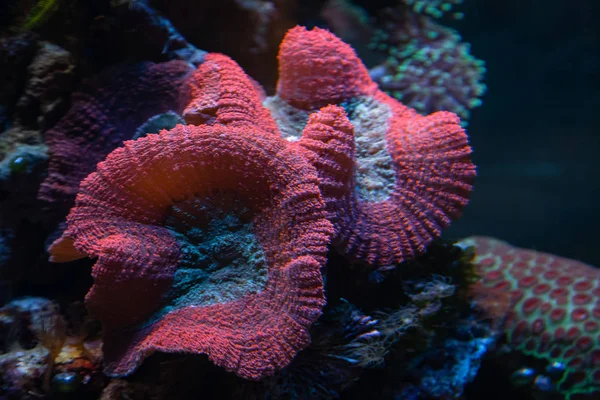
412 174
555 314
148 213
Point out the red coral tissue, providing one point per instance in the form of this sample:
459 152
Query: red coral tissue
412 175
218 232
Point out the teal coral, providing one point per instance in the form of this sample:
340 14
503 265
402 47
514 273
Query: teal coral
221 259
434 8
428 66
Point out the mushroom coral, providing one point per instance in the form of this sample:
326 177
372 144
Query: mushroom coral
219 228
412 174
209 239
222 93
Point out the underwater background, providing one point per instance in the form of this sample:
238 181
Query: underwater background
534 160
290 199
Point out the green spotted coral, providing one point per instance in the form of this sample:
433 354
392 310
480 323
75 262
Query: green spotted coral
434 8
555 308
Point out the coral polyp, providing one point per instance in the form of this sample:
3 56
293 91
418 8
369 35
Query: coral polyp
435 8
427 66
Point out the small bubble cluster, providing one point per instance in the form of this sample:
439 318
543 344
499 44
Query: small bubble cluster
555 313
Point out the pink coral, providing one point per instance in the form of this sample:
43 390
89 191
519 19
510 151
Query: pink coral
105 112
412 174
218 232
328 143
555 313
316 69
222 93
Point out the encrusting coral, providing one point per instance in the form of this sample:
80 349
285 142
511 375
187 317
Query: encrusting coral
554 315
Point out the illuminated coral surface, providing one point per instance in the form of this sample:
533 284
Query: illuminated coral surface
412 174
219 234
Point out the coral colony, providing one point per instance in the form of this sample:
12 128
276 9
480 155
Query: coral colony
150 204
291 240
